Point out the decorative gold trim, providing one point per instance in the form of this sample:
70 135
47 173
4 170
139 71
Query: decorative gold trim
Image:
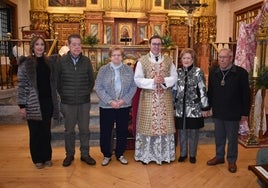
178 21
39 21
207 27
61 18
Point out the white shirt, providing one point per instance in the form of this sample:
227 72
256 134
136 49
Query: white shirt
148 83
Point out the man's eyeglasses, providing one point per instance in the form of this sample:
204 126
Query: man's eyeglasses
156 44
223 57
118 55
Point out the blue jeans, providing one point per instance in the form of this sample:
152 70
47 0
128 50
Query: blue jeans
226 130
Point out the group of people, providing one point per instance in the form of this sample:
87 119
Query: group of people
169 98
40 80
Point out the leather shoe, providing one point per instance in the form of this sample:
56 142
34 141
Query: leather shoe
39 165
215 161
88 159
144 163
48 163
182 159
232 167
192 159
67 161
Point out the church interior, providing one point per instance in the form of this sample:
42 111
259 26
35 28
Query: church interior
203 25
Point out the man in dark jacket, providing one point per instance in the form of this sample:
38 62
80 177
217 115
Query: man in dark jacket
229 98
75 82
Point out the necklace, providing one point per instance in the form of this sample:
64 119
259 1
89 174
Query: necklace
223 77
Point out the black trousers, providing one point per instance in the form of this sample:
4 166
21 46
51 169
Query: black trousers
40 134
107 119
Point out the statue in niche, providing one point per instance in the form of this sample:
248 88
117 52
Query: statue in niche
124 33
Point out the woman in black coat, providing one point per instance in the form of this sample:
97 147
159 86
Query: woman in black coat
37 100
191 104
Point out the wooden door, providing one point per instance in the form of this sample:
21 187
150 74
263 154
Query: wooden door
64 30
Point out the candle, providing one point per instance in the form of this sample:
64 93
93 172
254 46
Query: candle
266 57
255 67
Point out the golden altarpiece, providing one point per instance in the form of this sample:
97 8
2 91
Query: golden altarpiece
126 22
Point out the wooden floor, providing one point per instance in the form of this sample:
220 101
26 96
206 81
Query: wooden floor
17 170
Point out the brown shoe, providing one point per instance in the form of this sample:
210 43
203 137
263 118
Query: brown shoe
232 167
215 161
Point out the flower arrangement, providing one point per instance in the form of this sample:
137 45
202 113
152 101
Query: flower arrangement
91 40
262 80
167 41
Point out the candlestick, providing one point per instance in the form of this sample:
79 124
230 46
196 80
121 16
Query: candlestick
262 116
255 67
266 55
251 137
